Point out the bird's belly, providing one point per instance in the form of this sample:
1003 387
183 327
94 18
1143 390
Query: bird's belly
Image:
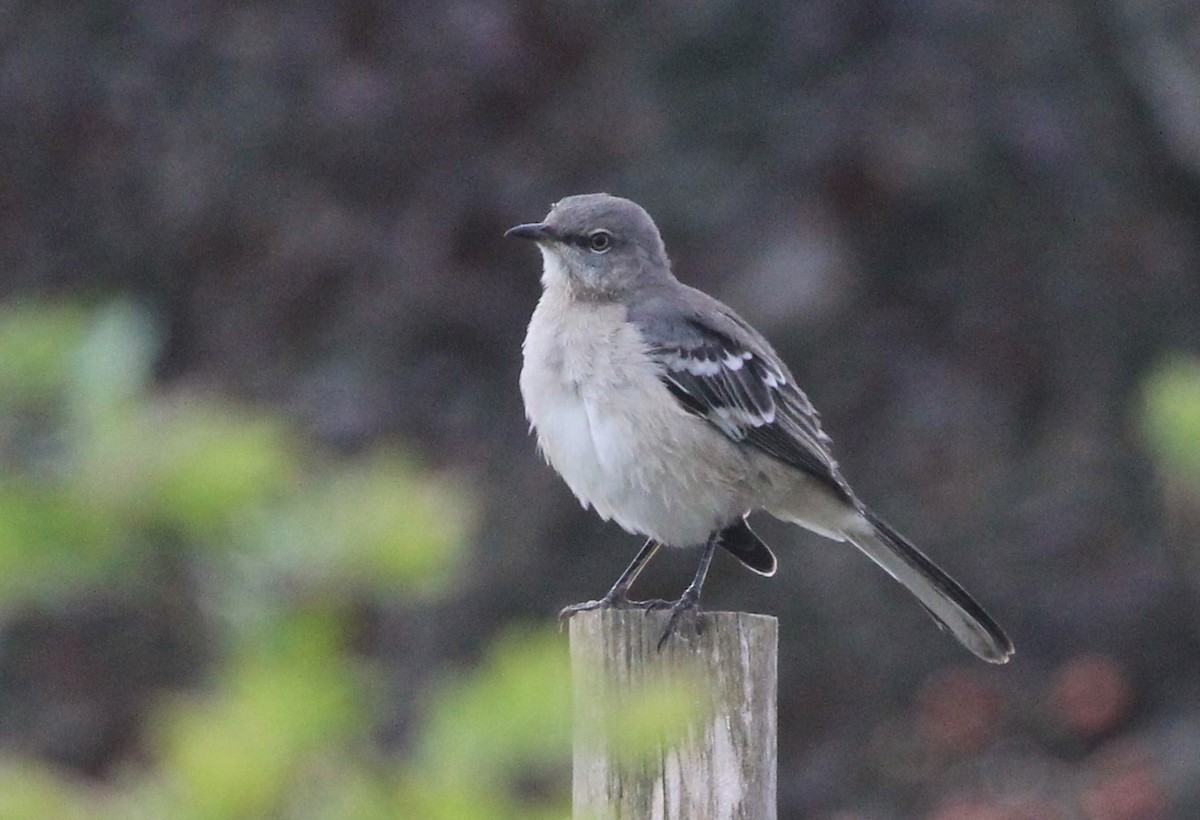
660 472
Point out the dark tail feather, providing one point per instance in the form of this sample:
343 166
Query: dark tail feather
942 597
744 545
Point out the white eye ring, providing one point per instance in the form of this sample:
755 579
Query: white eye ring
600 241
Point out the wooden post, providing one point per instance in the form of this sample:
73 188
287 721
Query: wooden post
717 675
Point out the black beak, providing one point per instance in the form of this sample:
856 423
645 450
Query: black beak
537 231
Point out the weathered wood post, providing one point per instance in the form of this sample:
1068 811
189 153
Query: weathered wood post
719 763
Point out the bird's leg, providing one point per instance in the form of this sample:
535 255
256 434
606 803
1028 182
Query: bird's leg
690 600
618 596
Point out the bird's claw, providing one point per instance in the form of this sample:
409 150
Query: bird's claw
689 602
607 602
611 601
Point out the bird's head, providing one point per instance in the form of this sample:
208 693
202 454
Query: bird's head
597 245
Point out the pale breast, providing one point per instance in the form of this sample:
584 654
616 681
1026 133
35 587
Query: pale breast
611 429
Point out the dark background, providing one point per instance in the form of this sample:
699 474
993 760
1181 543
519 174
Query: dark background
971 228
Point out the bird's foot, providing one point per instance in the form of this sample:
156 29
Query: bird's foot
607 602
688 602
614 601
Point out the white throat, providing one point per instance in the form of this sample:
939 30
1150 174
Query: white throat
554 269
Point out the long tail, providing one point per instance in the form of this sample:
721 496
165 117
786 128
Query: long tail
942 597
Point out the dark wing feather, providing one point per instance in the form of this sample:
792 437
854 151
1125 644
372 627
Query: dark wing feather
743 390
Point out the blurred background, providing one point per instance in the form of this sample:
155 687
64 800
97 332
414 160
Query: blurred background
274 541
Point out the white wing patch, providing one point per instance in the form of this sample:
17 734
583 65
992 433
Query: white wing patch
748 396
734 362
734 386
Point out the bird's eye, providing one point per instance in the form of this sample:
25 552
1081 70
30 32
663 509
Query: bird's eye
600 241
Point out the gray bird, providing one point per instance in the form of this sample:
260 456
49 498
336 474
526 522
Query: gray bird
666 412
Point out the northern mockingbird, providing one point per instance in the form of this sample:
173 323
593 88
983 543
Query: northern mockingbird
665 411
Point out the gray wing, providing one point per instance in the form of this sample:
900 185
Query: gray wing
722 370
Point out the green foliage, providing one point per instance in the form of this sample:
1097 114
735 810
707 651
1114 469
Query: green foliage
100 472
50 542
378 523
192 467
112 363
1172 416
487 730
37 346
280 705
30 790
642 716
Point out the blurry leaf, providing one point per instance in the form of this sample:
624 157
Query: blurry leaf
50 545
37 343
383 523
1172 415
398 525
505 719
238 752
33 791
635 720
463 797
658 714
112 366
345 789
214 463
192 466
